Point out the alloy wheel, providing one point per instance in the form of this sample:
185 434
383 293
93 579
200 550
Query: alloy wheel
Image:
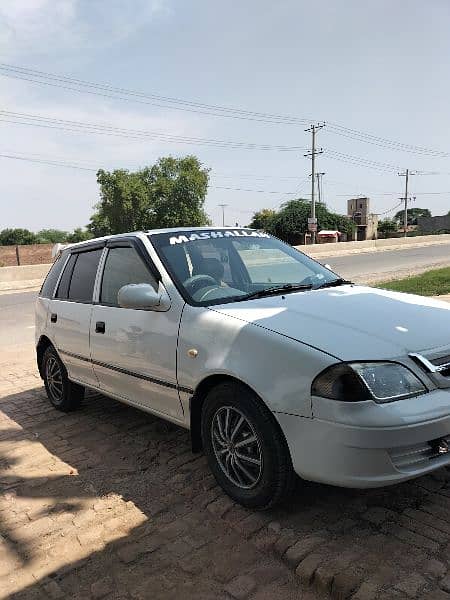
54 378
236 447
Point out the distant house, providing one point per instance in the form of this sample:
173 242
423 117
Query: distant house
326 236
358 209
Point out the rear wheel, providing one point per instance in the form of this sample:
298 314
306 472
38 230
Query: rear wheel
245 448
62 393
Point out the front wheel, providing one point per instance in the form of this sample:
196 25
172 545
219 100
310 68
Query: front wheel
245 448
62 393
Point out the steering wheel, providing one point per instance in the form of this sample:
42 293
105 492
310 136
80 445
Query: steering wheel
196 282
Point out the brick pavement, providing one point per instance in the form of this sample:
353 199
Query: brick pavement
109 502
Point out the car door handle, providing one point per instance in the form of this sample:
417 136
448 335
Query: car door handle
100 327
53 317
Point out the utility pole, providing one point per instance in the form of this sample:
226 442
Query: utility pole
223 213
406 175
319 186
313 129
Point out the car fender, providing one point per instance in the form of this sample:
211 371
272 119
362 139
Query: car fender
279 369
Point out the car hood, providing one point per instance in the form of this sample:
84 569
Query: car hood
351 322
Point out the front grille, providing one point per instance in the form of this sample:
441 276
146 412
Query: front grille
443 360
410 458
438 365
443 365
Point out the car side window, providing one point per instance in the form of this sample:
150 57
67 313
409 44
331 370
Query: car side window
81 286
64 282
122 267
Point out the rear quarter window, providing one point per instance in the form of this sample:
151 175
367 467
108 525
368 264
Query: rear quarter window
64 282
52 277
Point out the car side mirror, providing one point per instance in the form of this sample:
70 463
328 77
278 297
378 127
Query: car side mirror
142 296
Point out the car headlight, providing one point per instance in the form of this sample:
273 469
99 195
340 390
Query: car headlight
379 381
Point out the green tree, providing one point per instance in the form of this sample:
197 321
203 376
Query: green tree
387 226
13 237
263 219
78 235
413 213
291 221
51 236
170 193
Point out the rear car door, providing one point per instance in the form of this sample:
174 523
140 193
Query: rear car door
134 351
70 313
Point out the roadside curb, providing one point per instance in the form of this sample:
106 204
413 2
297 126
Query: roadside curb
356 251
14 287
368 246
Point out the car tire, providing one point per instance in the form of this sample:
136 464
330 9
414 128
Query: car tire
62 393
245 448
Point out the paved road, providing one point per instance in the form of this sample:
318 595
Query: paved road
384 264
16 326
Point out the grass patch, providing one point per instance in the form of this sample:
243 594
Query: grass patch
430 283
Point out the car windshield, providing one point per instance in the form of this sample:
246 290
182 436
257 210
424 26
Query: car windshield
230 265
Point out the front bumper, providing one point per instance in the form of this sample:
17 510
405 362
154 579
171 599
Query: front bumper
363 456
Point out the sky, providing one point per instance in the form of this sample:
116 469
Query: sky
378 68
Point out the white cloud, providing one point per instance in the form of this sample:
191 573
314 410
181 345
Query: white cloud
51 26
23 22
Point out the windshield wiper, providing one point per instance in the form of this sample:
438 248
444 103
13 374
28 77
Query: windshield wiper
279 289
333 283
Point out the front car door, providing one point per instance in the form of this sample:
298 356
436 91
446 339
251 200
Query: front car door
134 351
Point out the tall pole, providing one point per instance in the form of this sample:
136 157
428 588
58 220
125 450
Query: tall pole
405 216
406 175
313 129
223 213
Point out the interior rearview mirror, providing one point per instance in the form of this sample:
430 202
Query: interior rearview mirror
141 296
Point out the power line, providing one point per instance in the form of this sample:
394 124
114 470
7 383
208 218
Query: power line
136 134
53 163
254 176
389 210
393 193
360 161
368 138
75 165
78 165
234 189
106 90
117 93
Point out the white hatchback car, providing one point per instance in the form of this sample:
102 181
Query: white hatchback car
274 363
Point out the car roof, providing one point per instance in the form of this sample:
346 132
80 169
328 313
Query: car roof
148 232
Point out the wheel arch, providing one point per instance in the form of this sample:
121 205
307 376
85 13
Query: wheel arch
43 344
198 399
